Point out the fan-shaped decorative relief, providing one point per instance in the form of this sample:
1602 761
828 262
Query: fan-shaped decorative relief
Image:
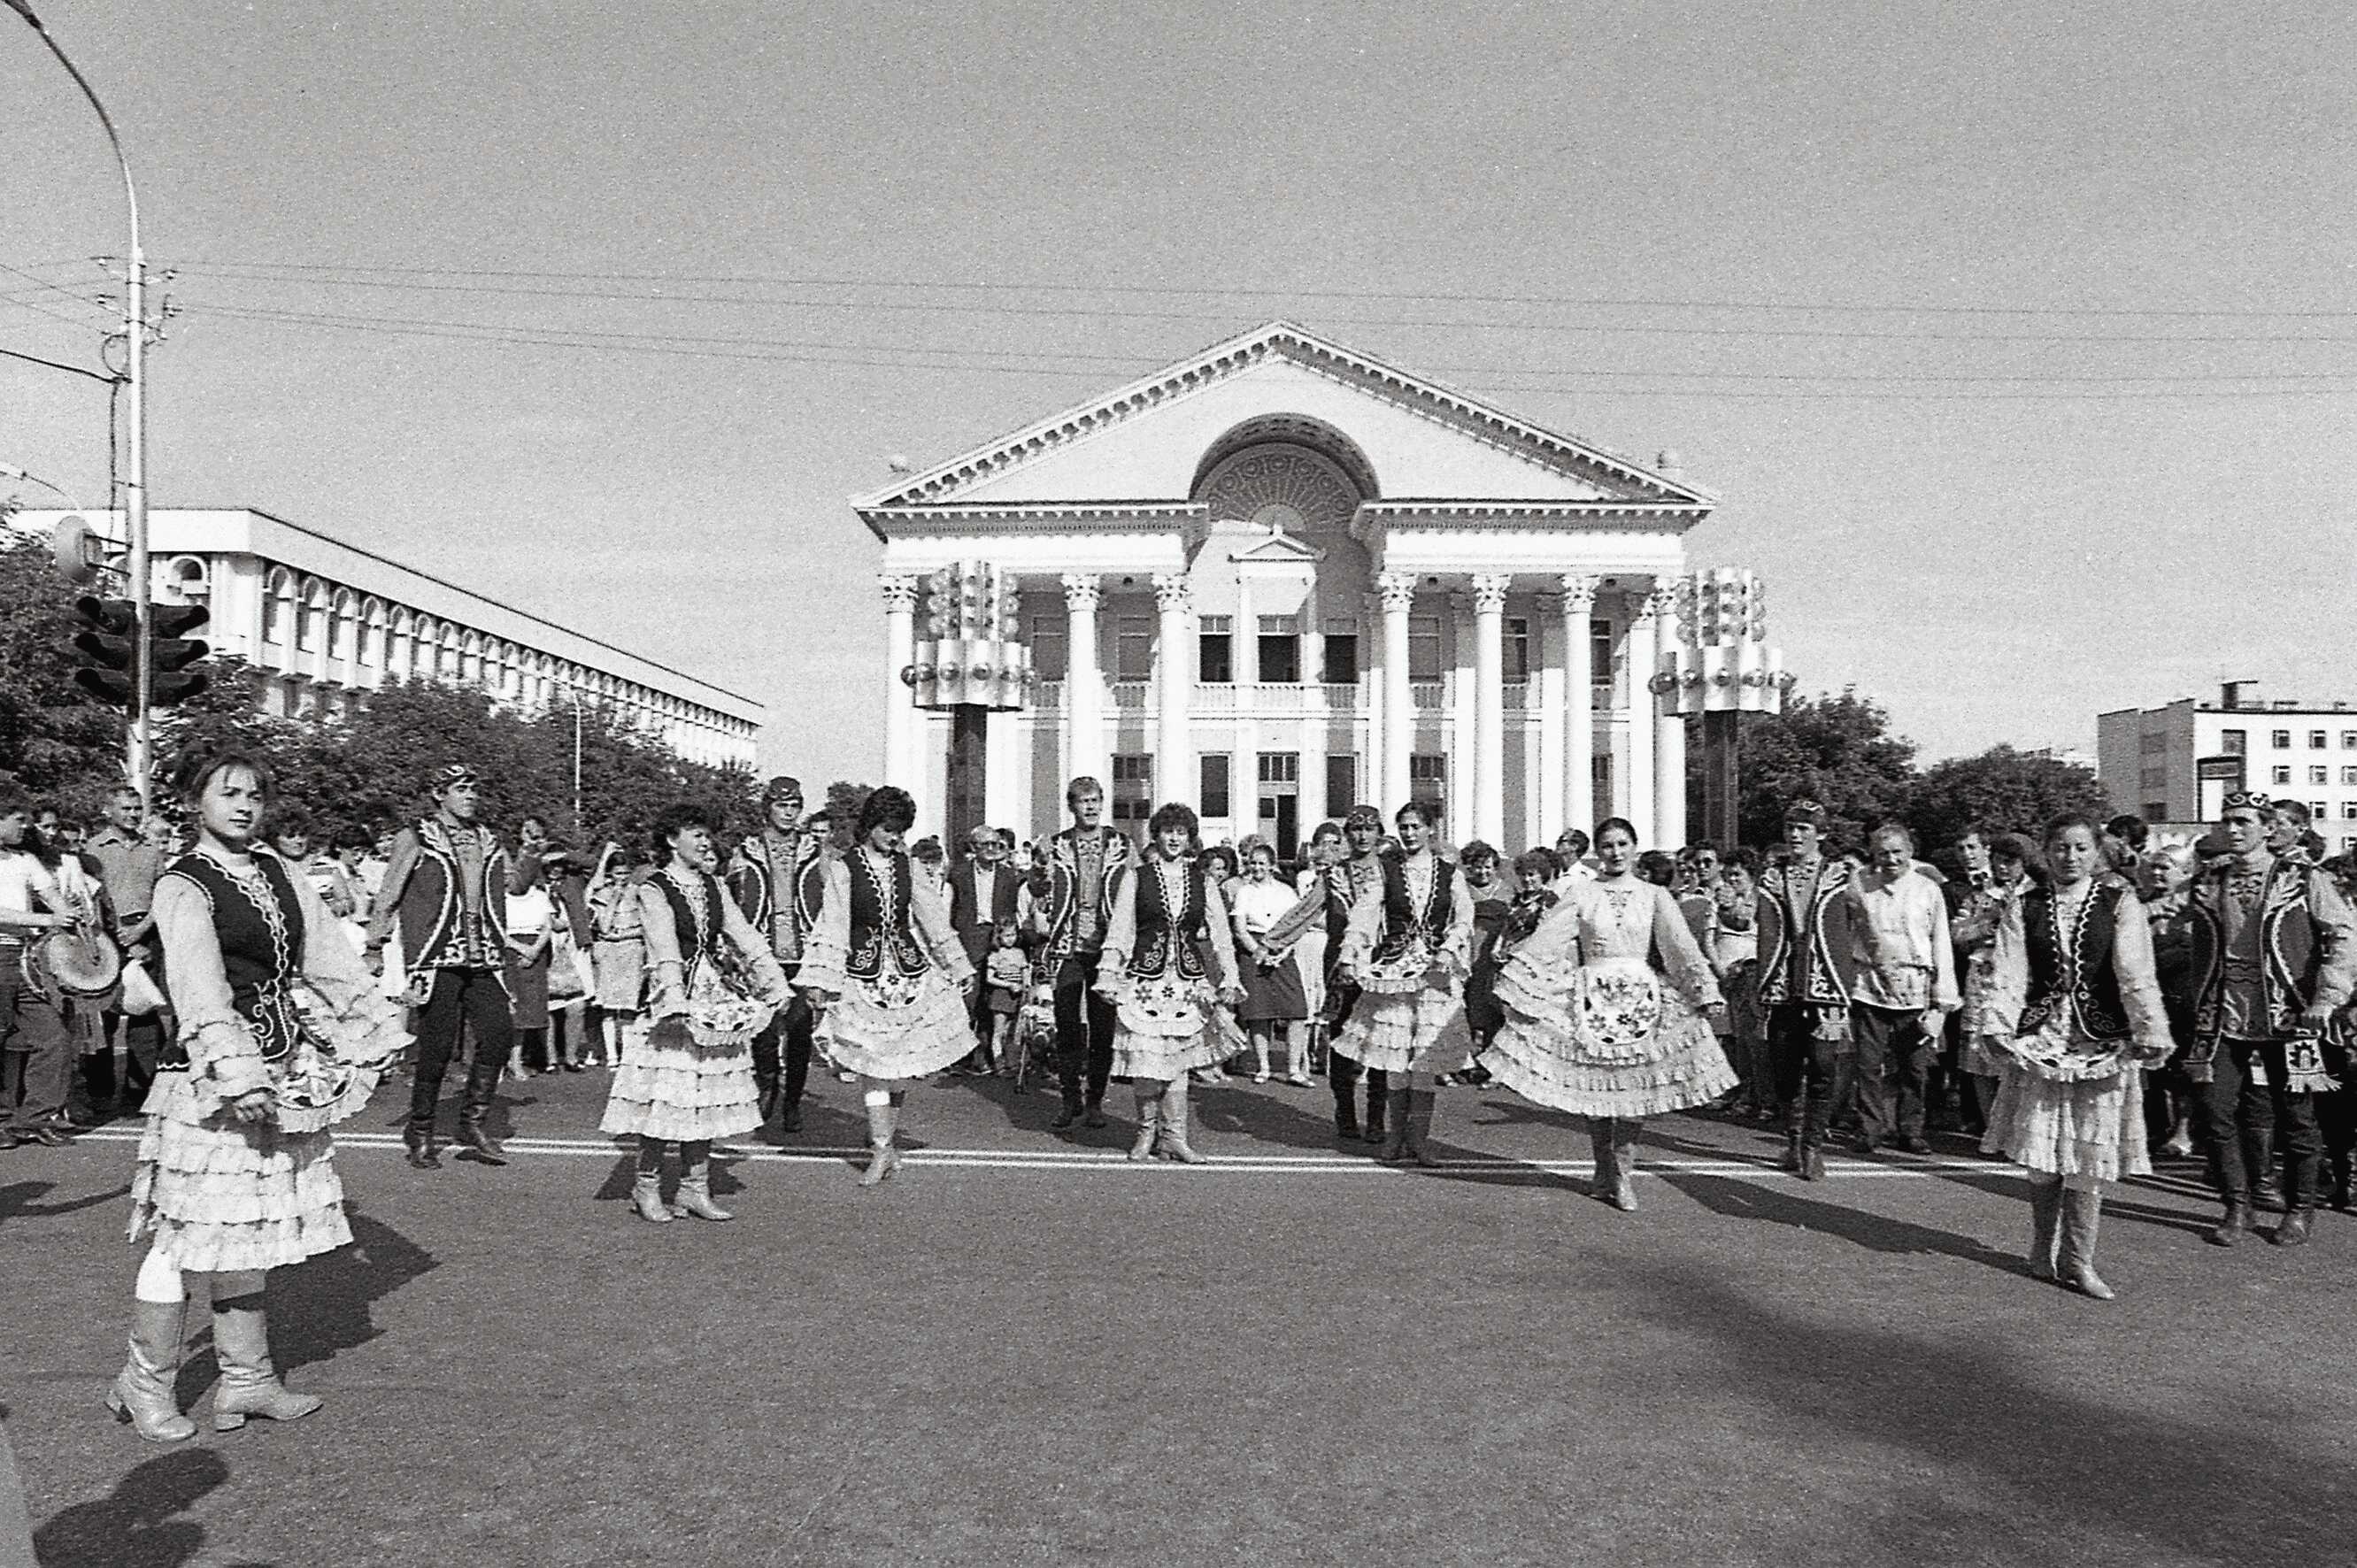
1285 488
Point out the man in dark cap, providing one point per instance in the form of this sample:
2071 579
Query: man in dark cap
444 890
1803 945
776 877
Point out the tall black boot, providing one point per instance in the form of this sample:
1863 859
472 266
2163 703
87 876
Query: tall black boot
2259 1152
1342 1077
1378 1102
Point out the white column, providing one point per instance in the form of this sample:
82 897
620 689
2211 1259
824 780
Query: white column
1636 797
1550 791
1669 733
1456 797
1579 705
1003 772
1174 667
1397 590
900 760
1489 803
1084 748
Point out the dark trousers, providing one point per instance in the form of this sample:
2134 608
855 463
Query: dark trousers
1806 1070
142 1037
1084 1023
782 1052
2249 1121
2336 1117
1892 1051
36 1066
477 997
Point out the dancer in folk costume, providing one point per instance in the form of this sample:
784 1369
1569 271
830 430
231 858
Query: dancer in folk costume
711 987
2073 1017
1408 948
281 1034
1331 891
886 972
776 878
1609 1005
1803 947
1169 964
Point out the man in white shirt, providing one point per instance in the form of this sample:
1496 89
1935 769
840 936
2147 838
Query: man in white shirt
37 1054
1903 987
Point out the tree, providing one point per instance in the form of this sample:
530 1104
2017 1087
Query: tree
2000 791
1835 750
844 800
55 739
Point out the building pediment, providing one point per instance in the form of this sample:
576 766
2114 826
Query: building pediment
1151 440
1275 550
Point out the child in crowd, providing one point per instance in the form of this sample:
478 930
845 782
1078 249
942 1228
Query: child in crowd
1007 973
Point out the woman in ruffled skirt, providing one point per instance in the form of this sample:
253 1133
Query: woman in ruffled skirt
1609 1005
1408 948
712 986
2073 1017
282 1032
887 972
1168 967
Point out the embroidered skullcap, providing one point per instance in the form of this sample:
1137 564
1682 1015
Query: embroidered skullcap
1807 814
451 773
2245 801
1363 817
784 787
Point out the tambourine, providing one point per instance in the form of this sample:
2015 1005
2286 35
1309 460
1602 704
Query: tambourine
73 960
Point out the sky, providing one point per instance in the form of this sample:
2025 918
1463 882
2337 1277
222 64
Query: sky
2019 345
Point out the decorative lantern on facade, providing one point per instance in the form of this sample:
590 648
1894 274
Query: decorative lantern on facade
1721 666
968 651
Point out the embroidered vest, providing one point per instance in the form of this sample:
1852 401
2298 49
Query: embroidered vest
2072 968
881 919
773 896
1163 932
262 950
433 929
1401 920
697 921
2290 953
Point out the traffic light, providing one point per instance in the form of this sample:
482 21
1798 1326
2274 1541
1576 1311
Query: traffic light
109 649
169 626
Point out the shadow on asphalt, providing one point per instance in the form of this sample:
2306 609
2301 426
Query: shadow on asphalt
2026 1464
22 1200
138 1526
324 1305
1741 1200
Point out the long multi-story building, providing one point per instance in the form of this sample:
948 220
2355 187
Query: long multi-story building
2175 764
327 622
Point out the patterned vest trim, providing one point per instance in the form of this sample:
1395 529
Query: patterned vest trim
1064 882
698 923
756 872
1822 984
2072 968
1401 921
880 919
431 928
2290 951
262 950
1158 929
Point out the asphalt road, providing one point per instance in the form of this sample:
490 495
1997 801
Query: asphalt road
1025 1350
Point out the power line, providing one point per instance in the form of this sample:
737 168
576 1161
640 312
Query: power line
42 284
58 365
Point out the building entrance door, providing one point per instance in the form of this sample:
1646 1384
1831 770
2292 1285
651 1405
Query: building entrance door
1280 800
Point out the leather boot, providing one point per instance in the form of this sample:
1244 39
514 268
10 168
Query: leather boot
2074 1262
2045 1223
2259 1156
2299 1205
1607 1159
1378 1100
1174 1143
1396 1132
1421 1104
1624 1162
1149 1125
646 1196
478 1141
2295 1229
1814 1116
419 1142
249 1384
2230 1230
696 1193
1792 1160
1345 1109
142 1392
883 1159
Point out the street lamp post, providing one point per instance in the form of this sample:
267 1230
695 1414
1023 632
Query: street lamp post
139 762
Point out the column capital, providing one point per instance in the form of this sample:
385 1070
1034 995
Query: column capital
1170 593
1082 590
1579 591
900 590
1396 590
1489 592
1661 603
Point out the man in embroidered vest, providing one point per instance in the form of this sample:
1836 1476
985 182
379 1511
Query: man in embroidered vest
443 890
1903 987
1085 864
982 896
1804 942
776 877
2273 951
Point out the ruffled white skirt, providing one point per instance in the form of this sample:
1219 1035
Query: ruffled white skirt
896 1027
2078 1115
1410 1028
222 1195
1615 1041
676 1086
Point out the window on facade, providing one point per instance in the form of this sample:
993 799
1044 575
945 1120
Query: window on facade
2152 741
2319 775
1599 656
1342 658
1280 767
1426 772
1048 644
2349 776
2349 740
2348 810
1214 775
1133 648
1518 648
306 626
2156 810
2280 740
1215 652
1279 650
2234 742
1424 647
1133 787
2315 739
2279 775
1341 786
273 620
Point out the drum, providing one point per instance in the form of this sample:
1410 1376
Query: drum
74 960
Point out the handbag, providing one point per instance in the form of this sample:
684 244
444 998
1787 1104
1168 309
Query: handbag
570 977
141 996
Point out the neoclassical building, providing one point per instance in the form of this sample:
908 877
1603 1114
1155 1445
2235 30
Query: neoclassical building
1279 577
